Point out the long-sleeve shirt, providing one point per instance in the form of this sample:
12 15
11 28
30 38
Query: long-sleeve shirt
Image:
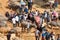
17 18
13 21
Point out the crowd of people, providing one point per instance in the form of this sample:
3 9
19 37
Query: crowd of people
34 17
37 18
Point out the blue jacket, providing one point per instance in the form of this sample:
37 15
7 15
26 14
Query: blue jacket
26 10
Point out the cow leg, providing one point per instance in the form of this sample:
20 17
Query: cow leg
22 28
28 28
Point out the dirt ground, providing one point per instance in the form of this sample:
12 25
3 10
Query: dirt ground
25 36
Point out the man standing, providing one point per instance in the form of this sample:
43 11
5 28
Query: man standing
43 35
51 3
17 19
56 3
26 10
30 2
37 34
14 22
8 36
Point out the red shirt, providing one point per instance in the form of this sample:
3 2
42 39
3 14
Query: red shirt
37 18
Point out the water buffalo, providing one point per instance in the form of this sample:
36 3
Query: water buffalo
54 23
27 24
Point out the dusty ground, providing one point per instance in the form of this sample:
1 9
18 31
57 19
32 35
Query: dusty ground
25 36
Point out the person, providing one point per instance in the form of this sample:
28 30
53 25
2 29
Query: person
37 34
31 17
58 38
41 21
22 17
37 19
30 2
56 3
14 14
47 35
17 19
48 18
25 17
20 9
51 3
54 15
52 36
43 35
36 13
45 13
39 14
26 10
28 16
7 15
14 22
43 27
8 36
38 22
11 15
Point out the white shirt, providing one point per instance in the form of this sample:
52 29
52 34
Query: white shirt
17 18
13 21
25 17
46 15
36 13
53 37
